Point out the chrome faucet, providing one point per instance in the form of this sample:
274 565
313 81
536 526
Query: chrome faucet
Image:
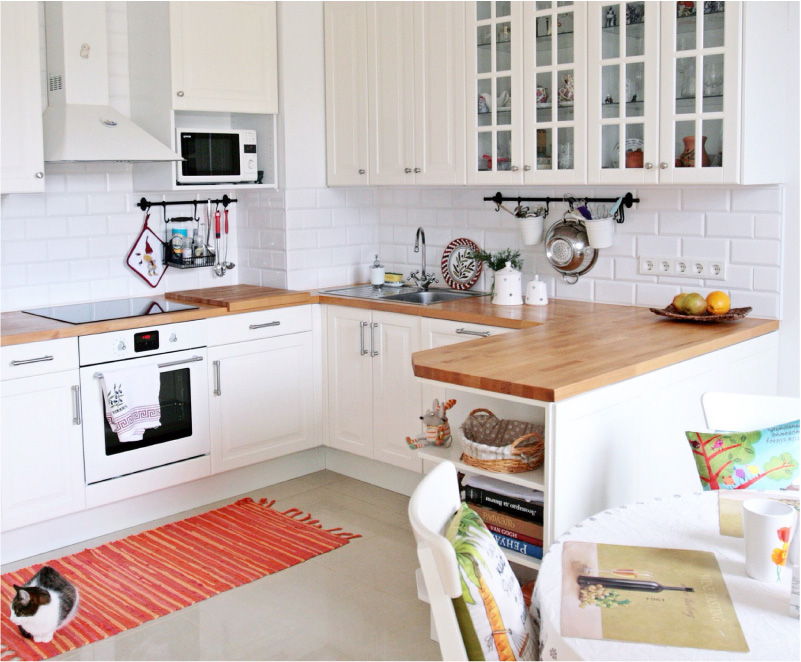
426 279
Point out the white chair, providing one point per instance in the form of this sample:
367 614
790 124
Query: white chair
742 413
433 504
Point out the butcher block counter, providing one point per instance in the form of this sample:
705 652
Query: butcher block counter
556 351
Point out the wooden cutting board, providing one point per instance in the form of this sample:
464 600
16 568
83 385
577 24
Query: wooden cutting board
241 297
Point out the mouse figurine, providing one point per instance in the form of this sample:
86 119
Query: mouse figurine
438 430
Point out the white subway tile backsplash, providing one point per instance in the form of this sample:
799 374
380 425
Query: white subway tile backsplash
580 291
89 269
682 223
301 198
749 198
655 295
330 198
86 182
729 225
23 206
763 304
705 199
66 205
360 197
317 218
14 275
368 216
637 222
738 277
658 199
332 237
604 268
86 226
622 246
300 239
341 218
108 203
705 249
658 245
293 220
44 228
767 279
756 251
614 292
768 226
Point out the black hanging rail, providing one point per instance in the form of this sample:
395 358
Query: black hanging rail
498 198
144 204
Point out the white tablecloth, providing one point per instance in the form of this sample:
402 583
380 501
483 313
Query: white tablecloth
677 522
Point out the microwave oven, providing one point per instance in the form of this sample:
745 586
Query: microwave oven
216 157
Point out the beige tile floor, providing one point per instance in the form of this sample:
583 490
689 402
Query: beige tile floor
358 602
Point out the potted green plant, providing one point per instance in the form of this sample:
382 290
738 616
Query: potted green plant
497 261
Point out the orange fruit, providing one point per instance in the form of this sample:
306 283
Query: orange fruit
718 303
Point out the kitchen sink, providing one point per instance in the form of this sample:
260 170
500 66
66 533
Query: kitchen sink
431 296
406 294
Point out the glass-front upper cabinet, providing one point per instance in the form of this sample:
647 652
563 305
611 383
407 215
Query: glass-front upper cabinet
494 91
623 107
555 84
699 72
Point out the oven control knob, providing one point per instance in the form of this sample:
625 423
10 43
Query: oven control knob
121 346
173 338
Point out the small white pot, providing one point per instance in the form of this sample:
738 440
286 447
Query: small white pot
531 229
600 232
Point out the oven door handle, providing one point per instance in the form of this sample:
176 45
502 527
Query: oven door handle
169 364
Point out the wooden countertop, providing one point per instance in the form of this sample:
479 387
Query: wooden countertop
557 351
579 347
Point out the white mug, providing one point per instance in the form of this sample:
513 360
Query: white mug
767 527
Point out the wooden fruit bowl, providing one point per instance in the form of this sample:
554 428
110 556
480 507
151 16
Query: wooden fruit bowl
672 312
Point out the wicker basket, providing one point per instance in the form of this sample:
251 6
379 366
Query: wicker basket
492 450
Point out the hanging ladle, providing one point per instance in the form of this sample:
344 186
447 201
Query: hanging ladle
219 268
225 262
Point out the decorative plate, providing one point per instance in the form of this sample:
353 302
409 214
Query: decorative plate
458 270
733 314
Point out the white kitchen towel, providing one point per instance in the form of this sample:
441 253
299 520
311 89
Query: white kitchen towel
131 396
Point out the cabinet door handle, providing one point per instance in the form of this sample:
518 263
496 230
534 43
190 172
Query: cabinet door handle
663 165
407 170
39 175
468 332
38 359
261 326
373 350
76 405
649 165
179 93
217 379
362 171
526 168
417 171
515 168
363 324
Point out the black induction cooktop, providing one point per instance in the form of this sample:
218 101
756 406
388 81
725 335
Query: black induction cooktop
99 311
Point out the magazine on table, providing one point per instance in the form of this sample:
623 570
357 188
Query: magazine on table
730 507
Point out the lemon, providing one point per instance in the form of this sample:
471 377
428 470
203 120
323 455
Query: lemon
718 303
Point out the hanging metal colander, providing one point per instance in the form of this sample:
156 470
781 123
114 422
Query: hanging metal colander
568 249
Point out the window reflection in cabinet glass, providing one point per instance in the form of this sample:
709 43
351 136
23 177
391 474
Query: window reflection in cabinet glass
713 83
503 113
713 130
634 144
485 151
610 37
544 46
685 158
565 160
485 102
635 91
503 53
610 145
713 24
483 10
685 85
503 8
610 91
543 5
635 29
483 53
686 26
564 44
566 3
504 150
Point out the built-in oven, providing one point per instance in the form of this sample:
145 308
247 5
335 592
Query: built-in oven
179 352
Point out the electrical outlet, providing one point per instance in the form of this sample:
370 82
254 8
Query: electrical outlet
698 268
664 266
716 269
648 266
681 267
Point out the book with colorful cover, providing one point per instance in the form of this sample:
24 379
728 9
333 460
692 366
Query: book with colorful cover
518 525
534 551
668 597
513 534
510 505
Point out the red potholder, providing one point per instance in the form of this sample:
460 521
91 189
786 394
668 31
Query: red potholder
146 256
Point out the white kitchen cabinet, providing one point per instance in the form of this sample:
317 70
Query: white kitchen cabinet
374 399
22 169
526 92
394 93
346 93
41 433
263 394
669 83
224 56
203 65
439 333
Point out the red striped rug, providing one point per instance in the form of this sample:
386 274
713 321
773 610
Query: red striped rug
125 583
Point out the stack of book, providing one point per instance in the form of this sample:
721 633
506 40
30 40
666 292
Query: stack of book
512 513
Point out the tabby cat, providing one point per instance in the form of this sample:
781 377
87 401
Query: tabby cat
43 604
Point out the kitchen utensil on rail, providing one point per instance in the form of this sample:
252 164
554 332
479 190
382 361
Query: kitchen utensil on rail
226 263
219 268
568 250
209 247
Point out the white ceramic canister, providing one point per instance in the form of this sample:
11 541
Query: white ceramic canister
377 273
508 287
536 292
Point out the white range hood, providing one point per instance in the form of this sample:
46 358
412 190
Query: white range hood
79 125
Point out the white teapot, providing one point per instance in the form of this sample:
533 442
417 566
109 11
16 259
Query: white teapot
508 287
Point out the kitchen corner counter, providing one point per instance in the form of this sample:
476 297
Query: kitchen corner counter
578 347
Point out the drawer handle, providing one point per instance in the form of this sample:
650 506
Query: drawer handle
261 326
373 350
76 405
38 359
361 326
217 381
468 332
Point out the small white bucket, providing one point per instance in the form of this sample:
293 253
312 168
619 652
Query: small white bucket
531 229
600 232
